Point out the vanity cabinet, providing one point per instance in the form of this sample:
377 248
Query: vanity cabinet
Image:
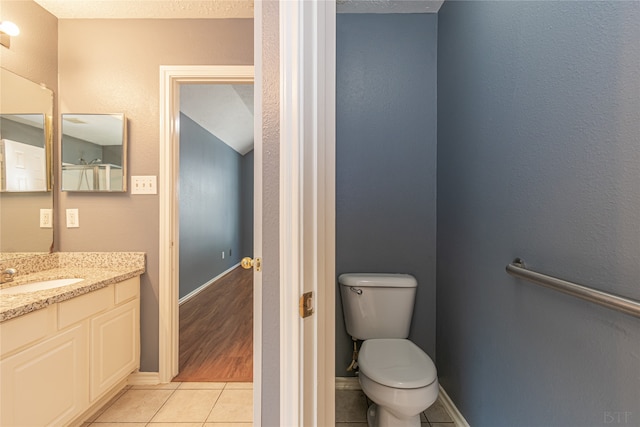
114 347
58 361
43 384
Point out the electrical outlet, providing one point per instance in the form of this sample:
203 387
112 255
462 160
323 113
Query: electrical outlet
73 219
222 254
46 218
144 184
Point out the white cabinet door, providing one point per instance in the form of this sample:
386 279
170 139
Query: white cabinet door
46 385
115 347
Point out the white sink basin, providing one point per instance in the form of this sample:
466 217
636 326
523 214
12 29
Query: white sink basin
38 286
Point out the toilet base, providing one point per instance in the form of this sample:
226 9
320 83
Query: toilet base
397 407
379 417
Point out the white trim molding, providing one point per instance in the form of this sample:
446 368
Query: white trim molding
257 213
451 408
348 383
307 211
143 378
291 398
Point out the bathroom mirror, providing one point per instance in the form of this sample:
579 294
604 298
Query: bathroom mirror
23 160
26 111
94 148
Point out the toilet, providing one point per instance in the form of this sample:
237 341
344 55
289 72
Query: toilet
395 373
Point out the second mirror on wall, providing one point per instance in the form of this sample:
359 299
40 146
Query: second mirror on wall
94 148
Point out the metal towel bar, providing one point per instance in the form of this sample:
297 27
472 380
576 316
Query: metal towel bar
518 269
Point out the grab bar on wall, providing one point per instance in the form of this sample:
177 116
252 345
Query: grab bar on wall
625 305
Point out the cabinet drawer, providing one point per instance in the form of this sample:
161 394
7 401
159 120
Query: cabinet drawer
127 289
79 308
27 329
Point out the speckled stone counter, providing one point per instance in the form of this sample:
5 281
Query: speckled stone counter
98 269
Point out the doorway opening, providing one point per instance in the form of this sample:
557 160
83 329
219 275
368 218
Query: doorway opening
215 229
171 79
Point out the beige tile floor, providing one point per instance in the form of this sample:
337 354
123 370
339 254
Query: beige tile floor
222 405
351 411
179 405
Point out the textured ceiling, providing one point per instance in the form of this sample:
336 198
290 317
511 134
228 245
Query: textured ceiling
148 9
207 9
226 111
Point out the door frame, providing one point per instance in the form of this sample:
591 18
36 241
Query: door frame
307 210
171 77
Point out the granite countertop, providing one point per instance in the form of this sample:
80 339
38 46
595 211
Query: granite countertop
97 269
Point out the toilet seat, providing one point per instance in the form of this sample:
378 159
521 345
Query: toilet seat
397 363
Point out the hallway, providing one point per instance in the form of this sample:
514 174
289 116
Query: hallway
216 331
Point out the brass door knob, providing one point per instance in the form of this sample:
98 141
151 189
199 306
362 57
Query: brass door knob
248 262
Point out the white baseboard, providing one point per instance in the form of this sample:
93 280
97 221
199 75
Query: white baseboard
451 408
347 383
144 378
203 287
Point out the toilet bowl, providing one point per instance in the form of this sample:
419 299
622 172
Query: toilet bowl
395 373
399 378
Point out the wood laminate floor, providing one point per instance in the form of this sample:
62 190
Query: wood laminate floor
216 331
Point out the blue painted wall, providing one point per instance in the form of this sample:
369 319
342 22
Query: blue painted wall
210 206
247 204
386 159
538 157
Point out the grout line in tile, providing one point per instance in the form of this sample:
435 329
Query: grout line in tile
152 424
109 404
183 386
162 406
214 405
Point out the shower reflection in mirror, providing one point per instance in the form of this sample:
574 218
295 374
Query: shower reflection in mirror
94 152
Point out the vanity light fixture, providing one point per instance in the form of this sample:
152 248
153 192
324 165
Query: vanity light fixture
7 29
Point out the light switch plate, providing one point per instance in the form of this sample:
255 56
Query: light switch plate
144 184
73 219
46 218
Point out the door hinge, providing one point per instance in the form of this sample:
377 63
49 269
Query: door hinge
306 304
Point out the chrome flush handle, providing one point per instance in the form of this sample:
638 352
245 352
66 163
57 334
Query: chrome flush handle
7 275
356 290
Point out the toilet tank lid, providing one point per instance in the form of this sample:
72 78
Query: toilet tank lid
381 280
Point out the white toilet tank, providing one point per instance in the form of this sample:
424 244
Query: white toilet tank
377 305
